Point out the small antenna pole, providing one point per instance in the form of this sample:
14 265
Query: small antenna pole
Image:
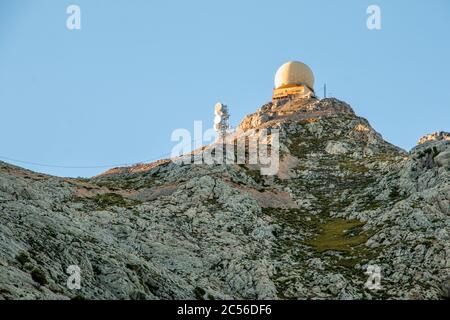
325 90
221 120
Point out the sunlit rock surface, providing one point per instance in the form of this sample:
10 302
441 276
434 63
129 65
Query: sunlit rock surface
343 199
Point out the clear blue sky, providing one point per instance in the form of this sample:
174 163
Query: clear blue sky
114 91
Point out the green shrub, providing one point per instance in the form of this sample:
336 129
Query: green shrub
199 293
23 258
109 199
39 277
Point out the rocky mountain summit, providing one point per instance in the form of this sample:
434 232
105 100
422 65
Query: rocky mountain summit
344 202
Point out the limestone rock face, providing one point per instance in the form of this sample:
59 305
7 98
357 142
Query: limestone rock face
435 136
343 200
336 147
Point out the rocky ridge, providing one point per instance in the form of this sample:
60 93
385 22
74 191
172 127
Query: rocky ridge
344 199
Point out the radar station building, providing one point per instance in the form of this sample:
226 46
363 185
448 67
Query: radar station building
293 79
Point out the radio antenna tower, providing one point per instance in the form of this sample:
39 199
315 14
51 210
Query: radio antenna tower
221 124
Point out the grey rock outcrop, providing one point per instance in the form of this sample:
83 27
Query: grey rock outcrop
344 199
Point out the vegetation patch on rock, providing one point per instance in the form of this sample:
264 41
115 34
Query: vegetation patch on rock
339 235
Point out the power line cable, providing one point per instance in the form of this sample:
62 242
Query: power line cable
162 156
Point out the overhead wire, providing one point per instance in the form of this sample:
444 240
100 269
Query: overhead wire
99 166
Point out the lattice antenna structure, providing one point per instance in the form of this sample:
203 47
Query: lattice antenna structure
221 120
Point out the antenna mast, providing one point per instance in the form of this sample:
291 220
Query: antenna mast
221 120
